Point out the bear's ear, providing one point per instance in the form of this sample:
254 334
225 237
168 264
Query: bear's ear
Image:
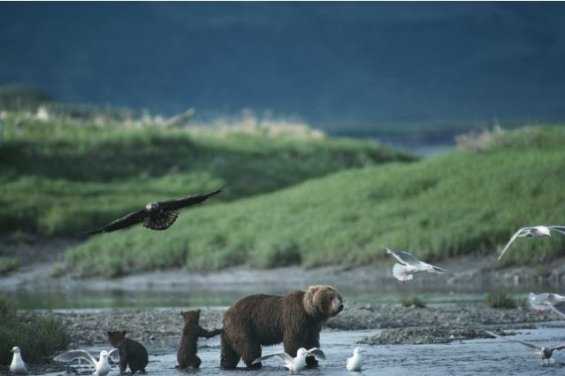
310 300
109 334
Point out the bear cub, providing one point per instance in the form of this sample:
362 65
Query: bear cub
186 355
132 353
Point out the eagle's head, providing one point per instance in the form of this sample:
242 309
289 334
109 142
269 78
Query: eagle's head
152 206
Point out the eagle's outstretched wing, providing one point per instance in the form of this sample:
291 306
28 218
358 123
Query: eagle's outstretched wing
186 201
123 222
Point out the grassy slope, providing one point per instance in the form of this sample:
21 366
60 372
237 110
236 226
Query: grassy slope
64 177
453 204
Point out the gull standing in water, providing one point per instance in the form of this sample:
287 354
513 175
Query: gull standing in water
547 301
545 353
354 363
101 366
18 365
297 364
532 232
407 265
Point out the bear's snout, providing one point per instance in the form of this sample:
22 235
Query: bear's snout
337 305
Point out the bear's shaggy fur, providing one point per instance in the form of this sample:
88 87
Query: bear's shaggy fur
295 319
186 355
132 353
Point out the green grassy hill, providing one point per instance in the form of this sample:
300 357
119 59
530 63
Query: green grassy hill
459 203
65 177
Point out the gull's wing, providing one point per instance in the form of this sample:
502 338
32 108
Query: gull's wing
435 268
559 229
514 237
558 348
317 353
114 356
558 297
187 201
281 355
404 258
71 355
530 345
123 222
493 334
559 308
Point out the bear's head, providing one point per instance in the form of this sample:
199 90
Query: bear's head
322 301
117 337
191 317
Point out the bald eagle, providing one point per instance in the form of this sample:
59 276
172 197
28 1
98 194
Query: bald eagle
156 215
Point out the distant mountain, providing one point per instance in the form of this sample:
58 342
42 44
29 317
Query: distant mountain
336 65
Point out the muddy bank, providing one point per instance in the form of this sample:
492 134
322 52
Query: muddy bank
41 268
465 274
385 316
432 335
162 327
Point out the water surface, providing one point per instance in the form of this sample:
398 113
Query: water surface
474 357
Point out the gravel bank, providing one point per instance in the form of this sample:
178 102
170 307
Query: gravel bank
434 324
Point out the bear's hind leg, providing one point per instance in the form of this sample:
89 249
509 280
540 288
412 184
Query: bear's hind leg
195 361
230 357
251 351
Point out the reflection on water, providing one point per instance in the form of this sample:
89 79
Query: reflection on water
476 357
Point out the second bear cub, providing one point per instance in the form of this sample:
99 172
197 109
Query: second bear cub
132 353
186 355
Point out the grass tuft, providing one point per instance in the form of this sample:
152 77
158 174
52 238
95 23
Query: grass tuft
500 300
9 264
412 302
38 336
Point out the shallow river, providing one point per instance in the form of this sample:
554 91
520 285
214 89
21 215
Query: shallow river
473 357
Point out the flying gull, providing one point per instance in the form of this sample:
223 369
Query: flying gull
532 232
545 353
294 364
156 215
547 301
407 265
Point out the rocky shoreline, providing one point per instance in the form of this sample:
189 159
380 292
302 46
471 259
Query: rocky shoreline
395 324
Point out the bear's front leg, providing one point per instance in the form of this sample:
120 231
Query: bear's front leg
123 364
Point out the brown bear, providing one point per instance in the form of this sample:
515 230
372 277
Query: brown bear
132 353
261 320
186 355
